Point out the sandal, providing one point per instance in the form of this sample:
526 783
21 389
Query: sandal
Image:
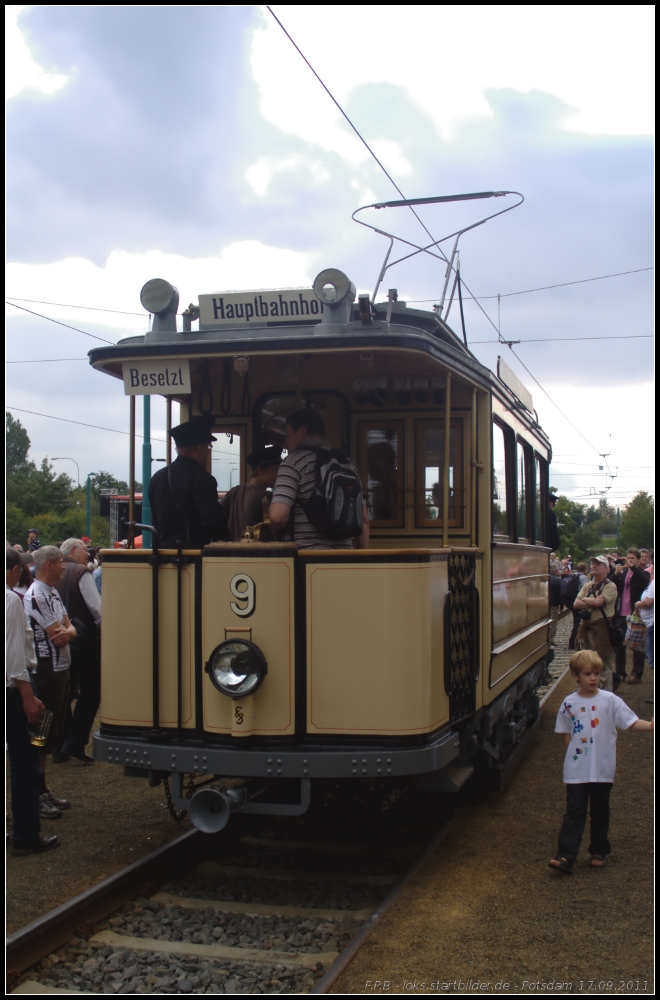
598 861
562 865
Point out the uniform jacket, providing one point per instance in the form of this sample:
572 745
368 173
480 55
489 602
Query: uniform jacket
190 511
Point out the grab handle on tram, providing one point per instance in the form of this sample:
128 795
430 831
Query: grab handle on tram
155 624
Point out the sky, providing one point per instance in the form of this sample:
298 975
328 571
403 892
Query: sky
193 143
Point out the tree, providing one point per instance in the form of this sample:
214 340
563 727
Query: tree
18 445
637 522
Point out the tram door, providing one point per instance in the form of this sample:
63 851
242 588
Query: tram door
461 636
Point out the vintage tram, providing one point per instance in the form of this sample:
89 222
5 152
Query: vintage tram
418 657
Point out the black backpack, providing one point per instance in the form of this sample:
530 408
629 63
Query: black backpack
570 588
335 506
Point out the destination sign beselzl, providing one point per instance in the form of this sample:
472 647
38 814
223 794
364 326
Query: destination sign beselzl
282 305
156 378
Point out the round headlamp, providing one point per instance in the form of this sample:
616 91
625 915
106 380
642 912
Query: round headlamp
332 287
237 667
159 297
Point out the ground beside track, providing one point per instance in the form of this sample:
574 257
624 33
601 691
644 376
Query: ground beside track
113 821
486 907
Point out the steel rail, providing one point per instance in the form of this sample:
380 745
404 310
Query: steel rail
345 957
27 946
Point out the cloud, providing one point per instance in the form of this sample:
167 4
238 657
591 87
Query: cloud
192 143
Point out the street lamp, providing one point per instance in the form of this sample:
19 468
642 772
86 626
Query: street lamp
88 517
65 458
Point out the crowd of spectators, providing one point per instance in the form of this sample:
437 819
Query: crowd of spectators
53 646
604 596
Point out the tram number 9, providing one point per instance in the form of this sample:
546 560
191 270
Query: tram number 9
247 595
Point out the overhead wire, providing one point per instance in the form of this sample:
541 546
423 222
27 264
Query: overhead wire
543 288
70 305
59 323
114 430
358 134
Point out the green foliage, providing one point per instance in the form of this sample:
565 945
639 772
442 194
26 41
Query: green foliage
637 522
582 528
38 498
18 445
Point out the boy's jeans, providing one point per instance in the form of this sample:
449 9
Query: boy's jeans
577 799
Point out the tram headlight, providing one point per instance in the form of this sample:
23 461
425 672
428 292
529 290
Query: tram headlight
332 287
237 667
159 297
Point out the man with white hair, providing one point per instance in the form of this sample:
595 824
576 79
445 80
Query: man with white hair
52 634
83 604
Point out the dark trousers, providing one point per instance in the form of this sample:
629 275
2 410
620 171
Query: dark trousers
574 631
86 687
577 799
25 771
638 657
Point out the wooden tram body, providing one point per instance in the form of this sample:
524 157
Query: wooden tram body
417 657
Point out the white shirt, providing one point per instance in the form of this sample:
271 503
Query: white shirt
19 641
646 614
90 595
43 607
592 723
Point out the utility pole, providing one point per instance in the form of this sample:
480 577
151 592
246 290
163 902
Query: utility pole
146 472
88 513
618 524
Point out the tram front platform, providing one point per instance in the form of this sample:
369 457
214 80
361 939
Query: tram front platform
487 915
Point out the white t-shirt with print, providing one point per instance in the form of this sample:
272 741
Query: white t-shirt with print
592 723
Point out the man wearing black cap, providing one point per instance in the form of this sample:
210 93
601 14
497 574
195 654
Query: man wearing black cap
552 539
184 496
248 503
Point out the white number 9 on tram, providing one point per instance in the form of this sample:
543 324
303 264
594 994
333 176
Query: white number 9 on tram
247 594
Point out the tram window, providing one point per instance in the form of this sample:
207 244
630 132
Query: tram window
380 459
227 457
540 495
430 442
273 410
522 477
500 484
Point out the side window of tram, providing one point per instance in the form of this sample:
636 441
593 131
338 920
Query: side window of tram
522 478
430 446
500 515
540 492
381 470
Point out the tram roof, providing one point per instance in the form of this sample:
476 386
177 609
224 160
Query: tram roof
409 329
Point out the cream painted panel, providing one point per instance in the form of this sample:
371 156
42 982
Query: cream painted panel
375 648
520 655
167 629
520 589
270 711
126 647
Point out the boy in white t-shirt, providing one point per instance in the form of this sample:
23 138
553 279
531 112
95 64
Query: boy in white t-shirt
589 720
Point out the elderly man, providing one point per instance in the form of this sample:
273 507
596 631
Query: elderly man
23 709
52 634
598 599
83 604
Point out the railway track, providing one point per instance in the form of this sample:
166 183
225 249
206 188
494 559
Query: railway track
277 906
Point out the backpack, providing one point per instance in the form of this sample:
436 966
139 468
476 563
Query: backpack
570 588
335 506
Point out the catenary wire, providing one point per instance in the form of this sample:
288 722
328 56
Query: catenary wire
358 134
114 430
59 323
70 305
551 340
543 288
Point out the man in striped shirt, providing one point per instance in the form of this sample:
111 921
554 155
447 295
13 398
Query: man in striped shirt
295 482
